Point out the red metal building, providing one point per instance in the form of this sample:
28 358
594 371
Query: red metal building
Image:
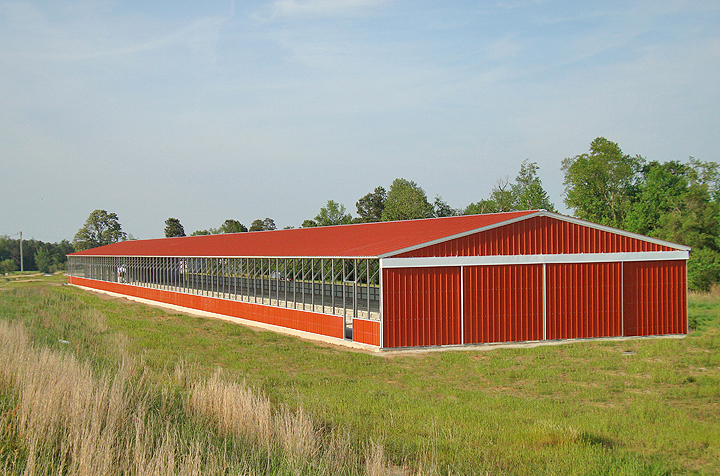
503 277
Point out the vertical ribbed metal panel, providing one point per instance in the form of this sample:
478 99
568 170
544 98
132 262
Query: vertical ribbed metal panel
421 306
584 300
655 298
503 303
539 235
366 332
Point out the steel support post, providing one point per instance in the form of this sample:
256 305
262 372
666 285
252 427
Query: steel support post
355 289
332 283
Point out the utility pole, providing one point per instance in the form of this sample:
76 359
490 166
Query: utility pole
22 267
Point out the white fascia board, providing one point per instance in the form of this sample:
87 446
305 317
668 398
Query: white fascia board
533 259
460 235
223 257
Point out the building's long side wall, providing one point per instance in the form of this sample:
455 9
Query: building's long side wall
323 324
273 290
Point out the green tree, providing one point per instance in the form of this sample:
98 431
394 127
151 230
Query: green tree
309 224
333 214
406 201
502 195
600 185
100 229
528 192
8 266
263 225
173 228
483 206
43 260
201 233
232 226
442 209
269 224
706 174
694 222
661 191
371 206
703 269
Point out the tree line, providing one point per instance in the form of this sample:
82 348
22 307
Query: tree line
674 201
37 255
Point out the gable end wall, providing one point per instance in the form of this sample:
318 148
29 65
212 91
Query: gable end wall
537 235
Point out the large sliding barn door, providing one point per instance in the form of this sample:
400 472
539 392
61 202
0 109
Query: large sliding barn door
503 303
421 306
655 298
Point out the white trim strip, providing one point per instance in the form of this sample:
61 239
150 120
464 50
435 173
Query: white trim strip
462 305
360 319
382 293
219 256
544 290
533 259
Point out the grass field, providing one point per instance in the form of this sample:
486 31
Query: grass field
644 406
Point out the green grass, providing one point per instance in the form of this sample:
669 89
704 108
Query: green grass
578 408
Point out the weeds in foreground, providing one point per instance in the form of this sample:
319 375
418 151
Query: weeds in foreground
580 408
60 417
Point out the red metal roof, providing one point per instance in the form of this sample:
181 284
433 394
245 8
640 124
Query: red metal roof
363 240
357 240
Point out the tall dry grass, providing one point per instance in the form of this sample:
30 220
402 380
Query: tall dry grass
72 419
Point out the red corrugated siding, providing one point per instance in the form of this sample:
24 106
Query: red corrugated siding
503 303
584 300
655 298
421 306
538 235
316 323
366 332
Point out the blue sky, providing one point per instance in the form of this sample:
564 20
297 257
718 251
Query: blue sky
212 110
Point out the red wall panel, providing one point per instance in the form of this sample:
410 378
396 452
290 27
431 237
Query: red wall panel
539 235
366 332
655 298
421 306
584 300
503 303
324 324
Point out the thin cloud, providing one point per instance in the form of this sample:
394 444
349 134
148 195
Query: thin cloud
96 37
291 8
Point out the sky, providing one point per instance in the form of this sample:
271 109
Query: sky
206 111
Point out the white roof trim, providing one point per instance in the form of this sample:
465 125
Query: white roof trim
219 256
533 259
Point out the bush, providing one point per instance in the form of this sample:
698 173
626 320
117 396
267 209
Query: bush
703 269
8 266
